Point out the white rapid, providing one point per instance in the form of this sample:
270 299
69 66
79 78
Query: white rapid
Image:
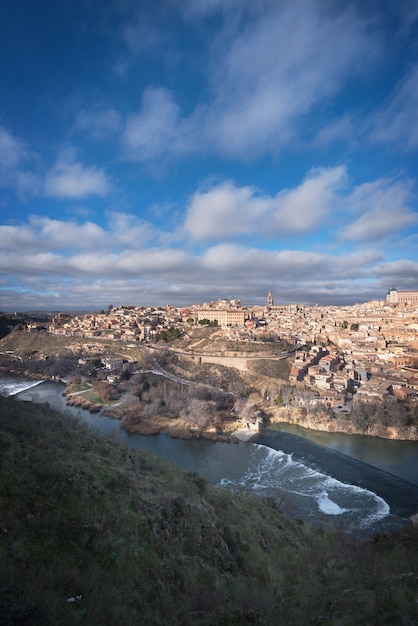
12 388
307 493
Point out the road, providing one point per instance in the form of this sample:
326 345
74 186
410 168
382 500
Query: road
176 379
239 362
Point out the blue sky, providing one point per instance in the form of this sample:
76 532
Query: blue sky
179 151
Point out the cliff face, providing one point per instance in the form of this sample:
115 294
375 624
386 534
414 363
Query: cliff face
93 532
350 425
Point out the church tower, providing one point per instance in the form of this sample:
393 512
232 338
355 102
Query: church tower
270 301
392 296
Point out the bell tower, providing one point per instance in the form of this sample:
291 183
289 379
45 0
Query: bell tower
270 301
392 296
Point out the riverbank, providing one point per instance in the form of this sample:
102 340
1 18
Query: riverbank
239 384
227 425
229 431
222 428
83 511
177 428
256 467
31 375
340 423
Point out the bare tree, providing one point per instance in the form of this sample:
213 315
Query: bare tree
285 392
244 409
197 412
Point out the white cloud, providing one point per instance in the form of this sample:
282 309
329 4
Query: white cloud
218 268
224 211
43 233
66 257
254 262
305 208
24 264
383 210
93 278
100 123
401 269
397 121
341 129
141 35
158 263
297 265
402 273
158 130
372 211
12 152
378 224
279 67
129 231
17 238
203 8
227 211
265 73
123 231
15 161
66 234
69 178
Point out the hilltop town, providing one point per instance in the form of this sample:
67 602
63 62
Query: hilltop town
351 368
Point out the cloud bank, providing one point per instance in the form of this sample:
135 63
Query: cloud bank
128 257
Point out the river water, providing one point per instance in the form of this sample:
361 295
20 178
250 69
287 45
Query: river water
362 485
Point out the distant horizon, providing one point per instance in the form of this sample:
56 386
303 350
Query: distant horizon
169 151
263 302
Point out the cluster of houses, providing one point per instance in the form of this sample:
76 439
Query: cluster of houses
336 377
128 323
371 348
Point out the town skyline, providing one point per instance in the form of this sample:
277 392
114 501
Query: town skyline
393 298
268 301
177 152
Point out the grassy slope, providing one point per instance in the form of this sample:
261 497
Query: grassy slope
24 343
144 543
273 369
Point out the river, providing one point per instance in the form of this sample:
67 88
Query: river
362 485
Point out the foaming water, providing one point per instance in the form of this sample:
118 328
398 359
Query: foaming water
329 507
13 388
306 493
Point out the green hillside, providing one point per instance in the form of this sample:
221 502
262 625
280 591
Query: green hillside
92 532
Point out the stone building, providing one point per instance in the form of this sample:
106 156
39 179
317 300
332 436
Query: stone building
224 317
401 297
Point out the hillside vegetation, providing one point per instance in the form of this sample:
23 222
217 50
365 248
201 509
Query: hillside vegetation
273 369
93 532
24 343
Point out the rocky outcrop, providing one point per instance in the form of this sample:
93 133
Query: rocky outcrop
174 426
327 422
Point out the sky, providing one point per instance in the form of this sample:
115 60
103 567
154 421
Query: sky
180 151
